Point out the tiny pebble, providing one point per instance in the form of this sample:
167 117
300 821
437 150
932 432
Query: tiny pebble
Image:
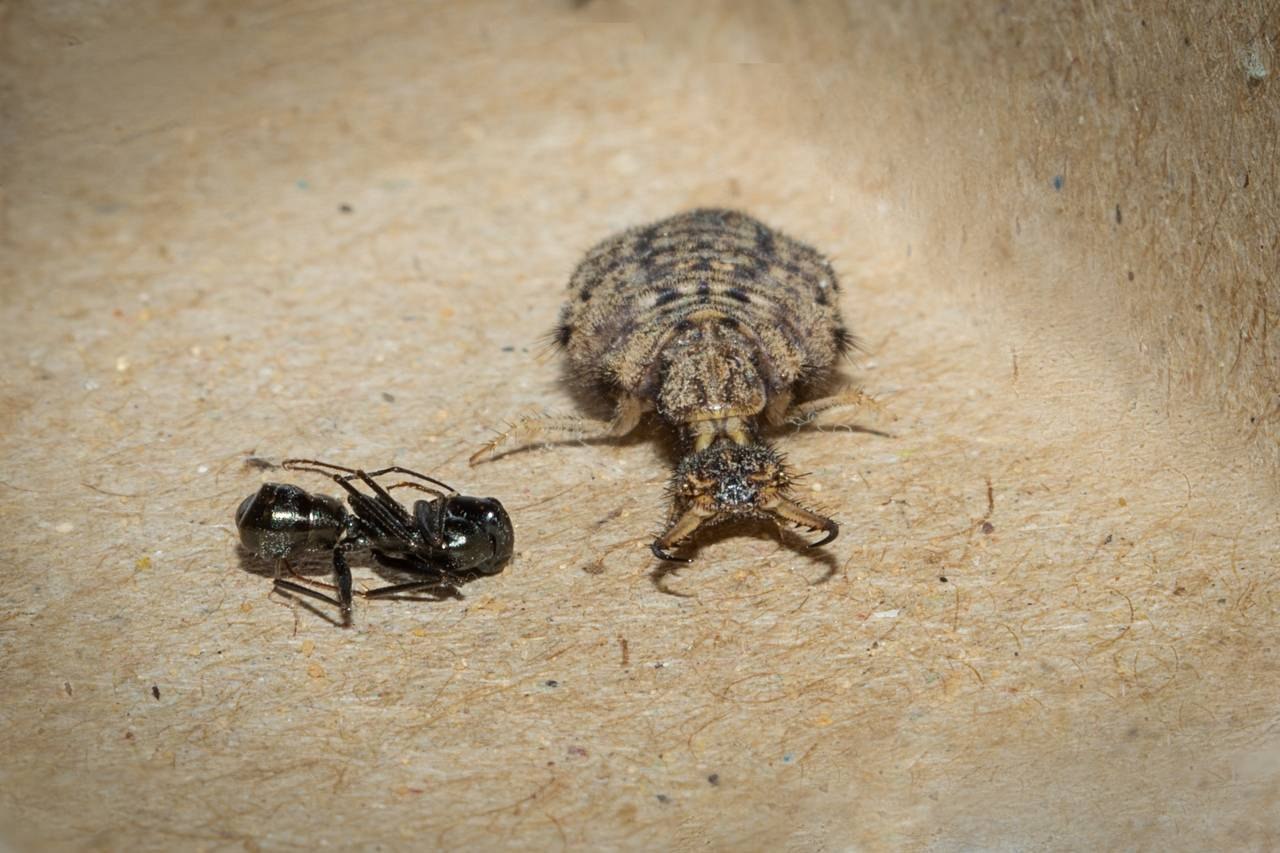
816 487
64 527
885 614
122 364
91 385
203 469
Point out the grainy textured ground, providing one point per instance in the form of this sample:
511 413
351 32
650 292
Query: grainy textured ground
1050 621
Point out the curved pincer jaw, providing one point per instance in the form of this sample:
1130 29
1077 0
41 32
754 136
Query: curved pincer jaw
660 552
727 481
683 527
788 510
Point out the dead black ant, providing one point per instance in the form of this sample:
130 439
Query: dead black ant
449 538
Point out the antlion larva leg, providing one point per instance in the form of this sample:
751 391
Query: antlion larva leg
535 429
845 401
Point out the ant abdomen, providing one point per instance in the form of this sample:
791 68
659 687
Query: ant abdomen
281 520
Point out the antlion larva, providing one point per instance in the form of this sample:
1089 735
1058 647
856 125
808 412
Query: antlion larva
715 321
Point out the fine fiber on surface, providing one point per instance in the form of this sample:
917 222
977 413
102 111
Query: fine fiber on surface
237 232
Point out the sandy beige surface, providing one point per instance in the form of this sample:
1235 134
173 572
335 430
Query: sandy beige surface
343 230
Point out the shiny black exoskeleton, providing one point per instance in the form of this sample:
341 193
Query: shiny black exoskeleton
450 538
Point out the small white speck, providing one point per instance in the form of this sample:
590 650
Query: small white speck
1253 62
816 487
885 614
122 364
91 385
203 469
64 527
196 351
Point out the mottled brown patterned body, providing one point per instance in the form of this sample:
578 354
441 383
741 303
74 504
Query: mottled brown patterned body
706 313
712 319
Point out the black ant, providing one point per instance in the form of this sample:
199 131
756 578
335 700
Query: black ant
451 537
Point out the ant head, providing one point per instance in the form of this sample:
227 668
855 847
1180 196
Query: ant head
478 534
727 481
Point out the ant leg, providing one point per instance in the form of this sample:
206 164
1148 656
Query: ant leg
445 589
408 485
299 578
381 510
440 580
388 513
529 429
342 583
396 469
430 517
305 586
315 466
306 590
342 579
327 469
